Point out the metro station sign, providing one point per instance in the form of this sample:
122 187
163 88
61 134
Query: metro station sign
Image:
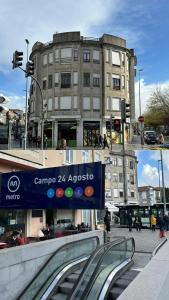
67 187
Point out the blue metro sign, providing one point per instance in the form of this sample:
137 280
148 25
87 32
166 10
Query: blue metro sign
67 187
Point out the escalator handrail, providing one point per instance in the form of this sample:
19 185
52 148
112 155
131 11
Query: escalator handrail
55 281
90 283
51 257
94 254
110 277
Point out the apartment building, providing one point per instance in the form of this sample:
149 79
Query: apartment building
83 81
149 195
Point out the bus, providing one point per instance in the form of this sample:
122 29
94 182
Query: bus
144 212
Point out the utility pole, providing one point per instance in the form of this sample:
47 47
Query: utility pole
141 124
26 107
163 186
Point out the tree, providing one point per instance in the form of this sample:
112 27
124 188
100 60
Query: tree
157 112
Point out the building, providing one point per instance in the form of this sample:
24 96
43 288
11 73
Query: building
121 178
83 81
149 195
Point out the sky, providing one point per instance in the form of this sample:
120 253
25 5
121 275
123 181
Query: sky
148 167
144 24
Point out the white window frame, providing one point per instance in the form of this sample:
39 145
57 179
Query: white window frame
115 193
115 104
96 56
65 102
116 61
96 103
86 103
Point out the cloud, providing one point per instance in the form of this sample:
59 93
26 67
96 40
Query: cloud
13 101
38 20
145 92
150 172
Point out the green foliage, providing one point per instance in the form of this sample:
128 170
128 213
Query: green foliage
157 112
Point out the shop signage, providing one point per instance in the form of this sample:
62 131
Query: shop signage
67 187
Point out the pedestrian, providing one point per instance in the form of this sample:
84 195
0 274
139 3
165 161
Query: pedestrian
45 141
63 143
96 142
12 239
105 143
161 138
161 225
166 220
153 222
137 223
100 141
130 222
107 220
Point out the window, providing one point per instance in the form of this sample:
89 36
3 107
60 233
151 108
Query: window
96 80
69 156
107 55
115 104
131 179
45 59
65 80
75 78
131 164
75 52
56 79
114 162
50 58
56 54
115 82
65 102
85 156
123 59
108 175
121 193
96 56
115 193
116 58
108 103
115 177
86 103
107 79
86 79
96 103
123 82
120 161
86 55
132 194
44 84
56 103
75 102
121 177
50 102
97 157
50 83
66 53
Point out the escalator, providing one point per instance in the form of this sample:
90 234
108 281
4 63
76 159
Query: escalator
84 270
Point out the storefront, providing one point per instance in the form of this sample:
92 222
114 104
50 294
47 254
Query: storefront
67 131
13 219
90 132
48 133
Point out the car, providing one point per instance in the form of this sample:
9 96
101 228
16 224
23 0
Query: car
150 137
63 223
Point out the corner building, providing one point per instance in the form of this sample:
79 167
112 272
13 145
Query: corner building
83 81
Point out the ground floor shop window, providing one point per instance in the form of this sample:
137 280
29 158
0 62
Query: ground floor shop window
91 130
13 220
67 131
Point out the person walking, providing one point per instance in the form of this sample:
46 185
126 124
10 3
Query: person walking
161 225
137 223
153 221
161 138
107 220
130 222
105 143
100 141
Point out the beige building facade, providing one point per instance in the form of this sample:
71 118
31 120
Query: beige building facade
83 81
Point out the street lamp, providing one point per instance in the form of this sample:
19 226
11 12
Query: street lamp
163 187
159 161
26 106
141 127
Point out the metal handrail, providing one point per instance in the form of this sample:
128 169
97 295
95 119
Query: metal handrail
108 246
90 284
158 247
50 258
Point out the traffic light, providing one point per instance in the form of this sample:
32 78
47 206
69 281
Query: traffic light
125 111
29 68
17 59
117 125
